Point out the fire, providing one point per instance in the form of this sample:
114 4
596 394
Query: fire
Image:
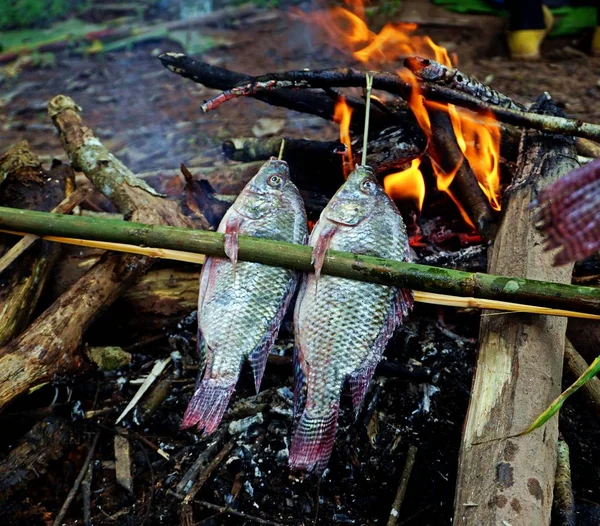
408 184
342 115
478 136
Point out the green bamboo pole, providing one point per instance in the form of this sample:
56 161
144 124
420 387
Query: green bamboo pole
298 257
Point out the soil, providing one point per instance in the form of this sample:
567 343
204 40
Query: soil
150 119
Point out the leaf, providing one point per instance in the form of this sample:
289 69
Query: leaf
29 39
587 375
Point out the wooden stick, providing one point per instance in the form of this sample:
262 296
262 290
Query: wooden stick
419 296
88 459
64 207
298 257
519 365
408 467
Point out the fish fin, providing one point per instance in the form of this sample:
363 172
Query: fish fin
208 404
313 441
232 230
568 212
359 384
202 354
300 374
360 379
403 304
320 247
299 362
205 280
258 356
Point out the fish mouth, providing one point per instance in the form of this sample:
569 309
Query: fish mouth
341 222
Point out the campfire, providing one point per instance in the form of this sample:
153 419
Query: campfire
474 174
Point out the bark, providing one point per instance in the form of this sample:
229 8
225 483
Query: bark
519 367
49 346
27 186
187 242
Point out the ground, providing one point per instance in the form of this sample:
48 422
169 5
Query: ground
150 118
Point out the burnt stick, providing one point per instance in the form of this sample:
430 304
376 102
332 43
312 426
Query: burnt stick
392 83
313 103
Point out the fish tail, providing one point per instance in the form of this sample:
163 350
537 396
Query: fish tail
313 441
208 404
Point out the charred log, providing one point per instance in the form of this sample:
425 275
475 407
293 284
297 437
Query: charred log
29 186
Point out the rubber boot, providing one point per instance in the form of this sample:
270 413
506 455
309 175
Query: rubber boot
596 42
524 44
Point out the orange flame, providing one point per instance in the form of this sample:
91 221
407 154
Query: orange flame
477 136
479 140
343 115
408 184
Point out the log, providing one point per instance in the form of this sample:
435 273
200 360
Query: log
519 366
29 186
49 346
47 441
446 153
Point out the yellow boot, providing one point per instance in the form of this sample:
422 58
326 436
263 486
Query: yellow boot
596 42
524 44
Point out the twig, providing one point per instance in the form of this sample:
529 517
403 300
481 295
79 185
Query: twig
86 493
229 511
410 462
367 115
64 207
298 257
577 365
158 368
190 474
63 510
564 502
205 475
392 83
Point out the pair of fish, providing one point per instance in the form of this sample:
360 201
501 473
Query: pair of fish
341 326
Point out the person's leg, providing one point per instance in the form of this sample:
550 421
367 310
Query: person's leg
529 22
596 37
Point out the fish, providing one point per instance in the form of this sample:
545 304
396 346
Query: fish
568 213
241 304
342 326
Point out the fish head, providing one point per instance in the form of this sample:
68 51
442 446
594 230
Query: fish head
267 190
358 198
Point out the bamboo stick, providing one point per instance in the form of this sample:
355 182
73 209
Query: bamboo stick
478 286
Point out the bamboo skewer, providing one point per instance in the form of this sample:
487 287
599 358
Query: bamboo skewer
419 296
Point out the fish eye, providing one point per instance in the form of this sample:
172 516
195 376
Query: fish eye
368 186
274 181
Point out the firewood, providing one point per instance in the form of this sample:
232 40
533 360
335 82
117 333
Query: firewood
519 366
47 441
313 103
319 163
392 83
50 344
446 153
29 186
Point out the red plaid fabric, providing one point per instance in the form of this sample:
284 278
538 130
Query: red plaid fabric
568 212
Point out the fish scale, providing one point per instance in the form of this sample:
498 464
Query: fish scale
342 326
241 304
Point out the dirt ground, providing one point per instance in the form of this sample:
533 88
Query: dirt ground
151 119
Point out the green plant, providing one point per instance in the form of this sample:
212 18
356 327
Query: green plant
17 14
